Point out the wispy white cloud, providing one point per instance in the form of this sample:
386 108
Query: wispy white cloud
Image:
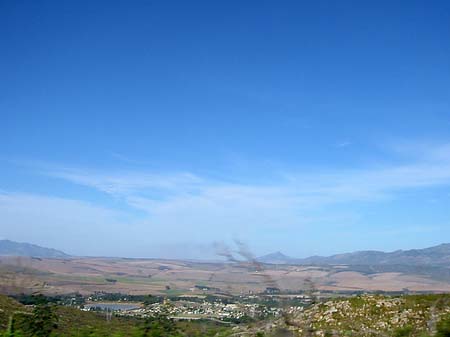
123 183
186 206
82 228
181 196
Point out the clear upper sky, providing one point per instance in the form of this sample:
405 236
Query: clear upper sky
156 128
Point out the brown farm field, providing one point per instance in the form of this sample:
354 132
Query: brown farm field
159 276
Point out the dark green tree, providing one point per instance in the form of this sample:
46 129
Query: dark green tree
43 321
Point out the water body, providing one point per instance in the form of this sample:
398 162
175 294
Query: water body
113 306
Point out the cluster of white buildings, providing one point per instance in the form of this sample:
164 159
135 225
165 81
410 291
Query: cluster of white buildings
205 310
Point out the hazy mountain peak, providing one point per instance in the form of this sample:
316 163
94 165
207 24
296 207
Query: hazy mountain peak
275 258
12 248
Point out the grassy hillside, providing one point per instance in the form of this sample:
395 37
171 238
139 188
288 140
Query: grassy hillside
414 315
8 307
67 321
70 321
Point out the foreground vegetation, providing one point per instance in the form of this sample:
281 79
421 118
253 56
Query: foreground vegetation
372 315
367 315
47 319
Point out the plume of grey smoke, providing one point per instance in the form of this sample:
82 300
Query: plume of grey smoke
223 250
248 258
245 252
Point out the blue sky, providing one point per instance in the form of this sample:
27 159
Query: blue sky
151 129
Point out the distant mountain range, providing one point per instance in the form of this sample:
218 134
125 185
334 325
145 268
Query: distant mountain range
433 256
12 248
437 256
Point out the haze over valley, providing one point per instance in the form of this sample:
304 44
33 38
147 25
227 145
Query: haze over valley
423 270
